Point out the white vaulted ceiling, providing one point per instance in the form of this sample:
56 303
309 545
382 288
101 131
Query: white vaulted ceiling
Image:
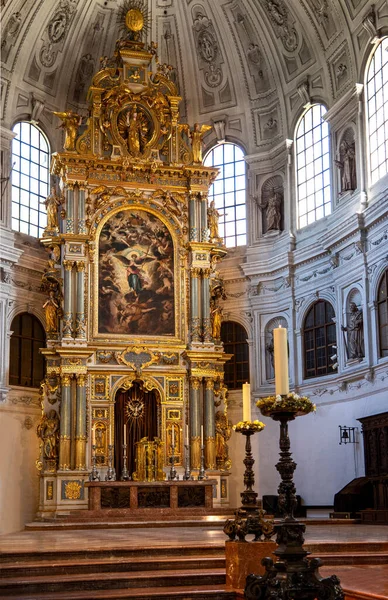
254 63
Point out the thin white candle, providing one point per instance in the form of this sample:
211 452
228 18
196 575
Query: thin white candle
246 402
281 360
201 435
187 435
172 435
93 437
125 434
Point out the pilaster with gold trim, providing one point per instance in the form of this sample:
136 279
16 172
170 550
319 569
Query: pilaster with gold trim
65 425
81 210
69 228
193 216
209 425
206 320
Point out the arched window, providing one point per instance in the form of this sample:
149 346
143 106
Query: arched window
377 114
229 192
30 179
382 314
26 366
234 338
312 166
319 338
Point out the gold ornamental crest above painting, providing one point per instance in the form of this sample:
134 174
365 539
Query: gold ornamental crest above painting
138 277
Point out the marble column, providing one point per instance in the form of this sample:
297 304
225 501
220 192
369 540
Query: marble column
361 146
81 210
203 219
206 320
195 325
68 315
65 425
193 215
80 327
195 422
80 424
209 425
69 209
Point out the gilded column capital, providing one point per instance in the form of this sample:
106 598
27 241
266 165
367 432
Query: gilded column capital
68 265
195 383
70 185
195 272
81 379
80 266
66 379
209 383
206 273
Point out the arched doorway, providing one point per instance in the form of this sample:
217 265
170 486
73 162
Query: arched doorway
136 410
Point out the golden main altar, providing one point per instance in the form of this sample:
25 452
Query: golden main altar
133 292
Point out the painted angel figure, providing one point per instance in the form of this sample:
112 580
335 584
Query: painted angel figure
196 140
70 123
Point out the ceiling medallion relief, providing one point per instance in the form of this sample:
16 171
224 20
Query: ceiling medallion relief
215 85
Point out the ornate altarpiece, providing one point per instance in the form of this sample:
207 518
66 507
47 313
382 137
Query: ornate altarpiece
131 281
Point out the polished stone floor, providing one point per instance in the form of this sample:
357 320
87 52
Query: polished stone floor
35 541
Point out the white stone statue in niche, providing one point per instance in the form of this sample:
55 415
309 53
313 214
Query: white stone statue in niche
355 333
272 204
347 165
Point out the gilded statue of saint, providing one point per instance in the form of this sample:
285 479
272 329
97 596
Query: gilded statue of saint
51 203
196 140
51 310
212 218
223 433
70 123
48 431
216 317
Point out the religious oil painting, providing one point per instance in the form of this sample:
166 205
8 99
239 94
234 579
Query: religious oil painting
136 276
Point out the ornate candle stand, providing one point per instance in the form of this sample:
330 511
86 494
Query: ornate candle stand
111 473
173 476
187 475
201 474
94 475
249 518
292 575
125 474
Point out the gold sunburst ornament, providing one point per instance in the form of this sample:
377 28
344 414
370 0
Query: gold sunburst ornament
134 19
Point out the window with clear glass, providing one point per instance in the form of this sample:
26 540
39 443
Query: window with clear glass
313 166
26 366
234 337
229 192
30 179
377 111
319 338
382 314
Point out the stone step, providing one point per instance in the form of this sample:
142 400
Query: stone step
108 565
205 592
14 586
212 522
71 553
356 558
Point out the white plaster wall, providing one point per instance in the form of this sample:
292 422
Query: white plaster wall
19 480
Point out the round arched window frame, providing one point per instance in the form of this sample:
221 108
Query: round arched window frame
30 179
26 363
382 314
319 340
229 192
234 338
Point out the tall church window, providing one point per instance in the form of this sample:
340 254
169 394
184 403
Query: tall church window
382 314
26 362
30 179
377 111
312 166
229 192
319 339
234 338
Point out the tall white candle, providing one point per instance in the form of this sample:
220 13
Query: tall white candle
246 402
201 435
172 435
125 434
187 435
281 360
93 437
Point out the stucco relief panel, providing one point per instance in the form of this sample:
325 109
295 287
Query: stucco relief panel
170 53
216 85
43 65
